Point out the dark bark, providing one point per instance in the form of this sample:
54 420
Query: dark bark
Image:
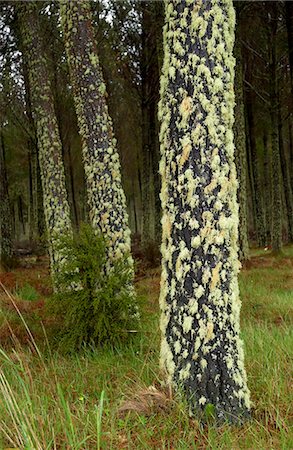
5 212
289 23
240 151
285 177
151 206
201 349
256 173
274 108
267 186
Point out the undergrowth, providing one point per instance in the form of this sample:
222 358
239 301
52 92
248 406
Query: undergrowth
94 304
114 398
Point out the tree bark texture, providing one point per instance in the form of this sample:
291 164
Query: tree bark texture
240 152
201 350
56 208
276 162
106 198
5 212
150 127
256 175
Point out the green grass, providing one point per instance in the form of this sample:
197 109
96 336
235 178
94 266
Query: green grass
53 401
27 292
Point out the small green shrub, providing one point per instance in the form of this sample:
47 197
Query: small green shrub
27 292
92 306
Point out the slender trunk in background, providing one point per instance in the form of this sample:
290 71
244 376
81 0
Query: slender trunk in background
267 186
57 86
5 213
290 137
107 202
289 23
256 174
250 182
240 151
56 208
150 75
35 202
285 172
276 163
201 350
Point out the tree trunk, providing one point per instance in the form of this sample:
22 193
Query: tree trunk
289 23
276 163
107 202
35 202
256 175
201 350
56 208
150 69
5 213
267 187
286 177
240 152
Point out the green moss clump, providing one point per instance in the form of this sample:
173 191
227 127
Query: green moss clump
93 305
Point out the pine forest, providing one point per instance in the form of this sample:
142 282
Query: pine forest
146 224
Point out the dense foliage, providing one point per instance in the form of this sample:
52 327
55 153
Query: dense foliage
92 305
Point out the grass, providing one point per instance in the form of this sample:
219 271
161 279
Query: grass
53 401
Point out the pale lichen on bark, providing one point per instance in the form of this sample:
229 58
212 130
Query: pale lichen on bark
106 198
201 349
56 208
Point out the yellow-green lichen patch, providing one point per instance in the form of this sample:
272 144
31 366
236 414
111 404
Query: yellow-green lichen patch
106 198
199 292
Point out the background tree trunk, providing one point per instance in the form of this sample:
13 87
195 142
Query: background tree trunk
276 163
151 211
56 208
5 213
240 152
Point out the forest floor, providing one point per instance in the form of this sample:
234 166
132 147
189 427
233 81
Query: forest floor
114 399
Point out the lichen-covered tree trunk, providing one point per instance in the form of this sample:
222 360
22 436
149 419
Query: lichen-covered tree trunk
201 350
5 213
106 197
240 152
56 209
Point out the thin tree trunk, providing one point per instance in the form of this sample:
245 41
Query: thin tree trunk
267 186
5 213
258 200
201 348
150 127
289 23
240 152
276 163
107 202
286 177
56 208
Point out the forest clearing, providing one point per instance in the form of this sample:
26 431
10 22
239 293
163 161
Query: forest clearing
146 224
112 399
